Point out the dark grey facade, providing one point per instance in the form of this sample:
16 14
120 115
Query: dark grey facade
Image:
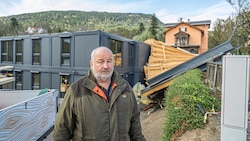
49 60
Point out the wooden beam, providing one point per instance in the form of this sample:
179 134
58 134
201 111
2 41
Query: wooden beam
157 88
6 80
6 67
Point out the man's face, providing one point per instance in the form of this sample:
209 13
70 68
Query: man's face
102 65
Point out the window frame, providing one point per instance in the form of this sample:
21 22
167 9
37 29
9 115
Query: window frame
19 83
116 47
131 55
64 55
36 55
182 40
7 51
19 54
9 85
35 86
183 29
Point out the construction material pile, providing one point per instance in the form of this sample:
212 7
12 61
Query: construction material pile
163 58
5 75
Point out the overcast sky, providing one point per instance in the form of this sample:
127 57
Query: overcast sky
168 11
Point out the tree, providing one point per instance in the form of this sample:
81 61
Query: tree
235 28
239 6
154 26
121 31
2 29
146 34
141 28
14 25
221 33
244 26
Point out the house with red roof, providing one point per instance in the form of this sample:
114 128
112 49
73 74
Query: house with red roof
191 36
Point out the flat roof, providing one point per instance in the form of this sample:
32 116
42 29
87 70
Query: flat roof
205 22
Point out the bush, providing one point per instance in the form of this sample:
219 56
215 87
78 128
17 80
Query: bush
180 101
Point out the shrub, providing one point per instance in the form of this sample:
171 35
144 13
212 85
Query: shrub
180 101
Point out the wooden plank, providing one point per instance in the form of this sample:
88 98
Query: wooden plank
6 68
187 51
5 80
157 64
157 88
29 119
159 49
159 59
1 75
163 58
170 54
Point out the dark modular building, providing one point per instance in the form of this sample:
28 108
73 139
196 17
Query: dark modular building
57 60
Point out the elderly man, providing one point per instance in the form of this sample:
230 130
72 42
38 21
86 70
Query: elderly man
100 106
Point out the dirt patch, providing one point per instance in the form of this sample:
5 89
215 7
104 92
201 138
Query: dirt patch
152 128
210 132
152 124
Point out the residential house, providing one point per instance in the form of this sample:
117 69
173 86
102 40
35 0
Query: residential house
35 30
191 36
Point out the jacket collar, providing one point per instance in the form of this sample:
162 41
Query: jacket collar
91 84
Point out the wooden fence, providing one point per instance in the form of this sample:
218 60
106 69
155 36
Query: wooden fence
214 75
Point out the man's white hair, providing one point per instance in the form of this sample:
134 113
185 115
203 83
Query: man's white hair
93 52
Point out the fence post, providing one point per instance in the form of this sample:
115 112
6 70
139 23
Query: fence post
215 75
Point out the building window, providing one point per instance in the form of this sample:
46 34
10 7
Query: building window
183 29
65 82
19 80
181 41
7 51
116 48
10 84
195 51
35 81
36 51
131 52
65 51
19 51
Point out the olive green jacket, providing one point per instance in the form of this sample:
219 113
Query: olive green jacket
86 115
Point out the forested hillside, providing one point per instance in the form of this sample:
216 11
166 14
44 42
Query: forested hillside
124 24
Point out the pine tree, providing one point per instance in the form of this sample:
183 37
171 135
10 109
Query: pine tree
14 25
154 26
141 28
